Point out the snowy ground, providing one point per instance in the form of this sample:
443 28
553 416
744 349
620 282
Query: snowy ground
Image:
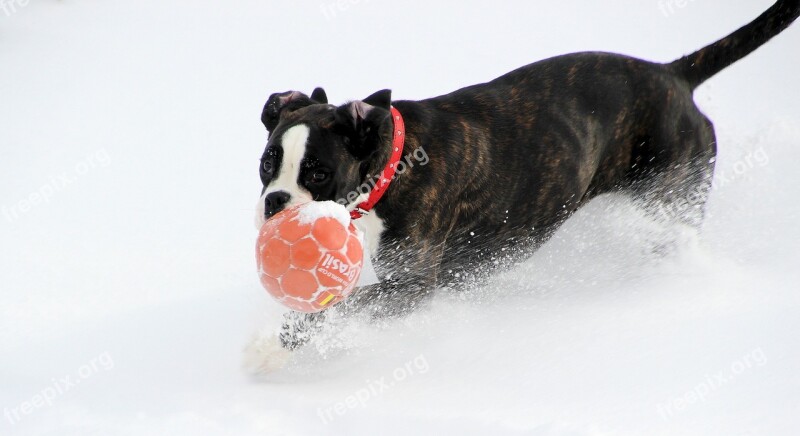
130 137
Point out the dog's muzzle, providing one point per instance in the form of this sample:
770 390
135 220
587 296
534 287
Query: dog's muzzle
274 202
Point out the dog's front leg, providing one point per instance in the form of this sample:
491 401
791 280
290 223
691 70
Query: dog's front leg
410 272
298 328
270 351
411 279
407 284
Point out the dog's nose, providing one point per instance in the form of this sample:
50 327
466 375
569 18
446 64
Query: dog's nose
275 202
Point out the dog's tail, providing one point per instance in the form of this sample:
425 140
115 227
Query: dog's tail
700 66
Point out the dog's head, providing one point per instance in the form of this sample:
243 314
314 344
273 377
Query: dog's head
320 152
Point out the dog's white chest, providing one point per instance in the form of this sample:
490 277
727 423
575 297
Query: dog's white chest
373 227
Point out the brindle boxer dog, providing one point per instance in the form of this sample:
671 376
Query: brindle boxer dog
508 161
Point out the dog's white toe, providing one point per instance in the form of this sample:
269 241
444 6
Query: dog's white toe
264 355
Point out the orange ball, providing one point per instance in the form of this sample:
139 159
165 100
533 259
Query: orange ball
310 256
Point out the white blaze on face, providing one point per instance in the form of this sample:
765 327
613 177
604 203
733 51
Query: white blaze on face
293 143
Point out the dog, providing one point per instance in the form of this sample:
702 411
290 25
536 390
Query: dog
506 162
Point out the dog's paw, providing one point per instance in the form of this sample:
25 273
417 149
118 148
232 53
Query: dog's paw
265 355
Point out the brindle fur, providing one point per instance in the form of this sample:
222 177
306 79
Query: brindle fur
513 158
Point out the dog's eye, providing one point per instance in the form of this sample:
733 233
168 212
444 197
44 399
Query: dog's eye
319 176
267 166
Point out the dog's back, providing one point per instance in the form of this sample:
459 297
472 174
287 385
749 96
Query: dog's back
517 155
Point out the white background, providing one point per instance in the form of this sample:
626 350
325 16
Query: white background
149 257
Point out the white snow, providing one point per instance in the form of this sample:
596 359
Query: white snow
311 212
130 139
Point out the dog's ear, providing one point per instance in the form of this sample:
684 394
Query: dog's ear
282 103
319 96
382 99
271 115
360 122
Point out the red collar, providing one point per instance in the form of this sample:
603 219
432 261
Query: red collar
386 176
